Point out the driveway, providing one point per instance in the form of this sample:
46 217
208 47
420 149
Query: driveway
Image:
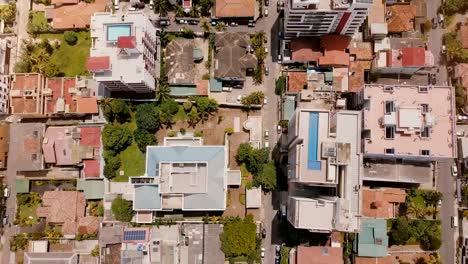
446 184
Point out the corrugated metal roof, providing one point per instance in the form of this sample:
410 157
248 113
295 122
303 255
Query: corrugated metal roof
93 189
373 239
215 85
147 197
288 107
22 185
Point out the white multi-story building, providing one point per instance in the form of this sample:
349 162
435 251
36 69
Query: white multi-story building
305 18
124 52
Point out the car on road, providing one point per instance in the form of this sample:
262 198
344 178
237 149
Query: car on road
439 203
278 129
6 192
278 250
454 221
440 18
116 4
213 23
233 24
5 220
267 70
266 12
432 79
462 117
267 2
279 59
251 23
263 252
454 170
164 23
443 50
434 23
266 134
132 8
277 261
283 211
239 98
265 100
266 144
266 50
264 233
193 22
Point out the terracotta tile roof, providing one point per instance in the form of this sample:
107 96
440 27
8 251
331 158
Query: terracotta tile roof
19 103
361 50
88 225
319 255
98 63
335 50
61 2
401 19
76 16
356 79
305 49
380 203
413 57
297 81
384 260
63 207
463 36
126 42
235 8
90 136
86 105
91 168
202 87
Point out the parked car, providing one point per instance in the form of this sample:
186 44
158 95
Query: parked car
151 3
280 59
266 50
462 117
440 18
251 23
6 192
439 203
263 233
278 129
265 100
193 22
132 8
454 221
277 261
5 220
454 170
278 250
443 50
266 144
267 70
213 23
263 253
283 211
432 79
267 2
233 24
434 23
266 12
266 134
116 4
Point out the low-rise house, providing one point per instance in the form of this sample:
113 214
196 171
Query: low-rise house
239 11
316 255
460 74
4 94
335 51
324 152
232 58
400 18
4 144
51 257
382 203
120 41
183 174
27 151
301 50
403 61
73 14
25 91
67 209
462 36
372 241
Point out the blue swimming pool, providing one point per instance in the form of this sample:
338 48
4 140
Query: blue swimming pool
116 31
312 160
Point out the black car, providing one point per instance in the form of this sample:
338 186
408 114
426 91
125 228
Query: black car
434 23
263 233
432 79
267 2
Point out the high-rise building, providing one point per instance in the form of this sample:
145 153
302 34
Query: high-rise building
305 18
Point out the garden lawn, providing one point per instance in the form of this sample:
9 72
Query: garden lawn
133 160
29 211
71 60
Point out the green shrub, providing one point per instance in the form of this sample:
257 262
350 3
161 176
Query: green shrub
229 130
112 166
206 76
198 133
171 134
70 37
182 131
143 139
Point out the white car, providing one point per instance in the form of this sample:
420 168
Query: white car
265 100
116 4
266 50
454 170
132 8
462 117
6 192
443 49
279 59
266 144
239 98
266 12
263 253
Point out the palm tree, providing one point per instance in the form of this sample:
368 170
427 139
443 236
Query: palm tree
415 211
179 11
163 93
161 7
258 38
193 117
195 11
40 60
221 26
206 26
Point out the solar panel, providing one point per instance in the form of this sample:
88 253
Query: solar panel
134 235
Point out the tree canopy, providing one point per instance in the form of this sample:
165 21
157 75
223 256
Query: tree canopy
116 137
239 237
122 209
254 159
267 179
112 166
146 118
255 98
144 138
116 110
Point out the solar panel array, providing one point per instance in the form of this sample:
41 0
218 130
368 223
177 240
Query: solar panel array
134 235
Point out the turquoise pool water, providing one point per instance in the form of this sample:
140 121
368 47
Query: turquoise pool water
312 160
116 31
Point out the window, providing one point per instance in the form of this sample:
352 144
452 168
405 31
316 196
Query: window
425 108
390 151
389 107
425 152
426 132
389 132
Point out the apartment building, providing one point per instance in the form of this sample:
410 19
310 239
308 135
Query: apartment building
408 122
124 52
324 170
305 18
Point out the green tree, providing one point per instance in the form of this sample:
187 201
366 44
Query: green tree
122 209
206 26
195 11
258 74
161 7
115 110
112 166
239 237
179 10
258 38
205 6
18 242
255 98
280 85
163 93
143 138
187 32
70 37
95 251
254 159
205 106
146 118
400 232
460 96
116 137
8 12
193 117
267 179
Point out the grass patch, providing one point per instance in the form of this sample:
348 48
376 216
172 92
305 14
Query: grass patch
71 59
180 115
37 22
27 214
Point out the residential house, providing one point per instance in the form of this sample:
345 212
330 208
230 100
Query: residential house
183 174
119 41
408 122
50 257
73 14
382 202
67 209
233 57
403 61
462 36
301 50
377 27
324 154
25 91
318 18
26 150
400 18
460 74
316 255
372 241
238 11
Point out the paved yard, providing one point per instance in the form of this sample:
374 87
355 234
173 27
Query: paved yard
235 208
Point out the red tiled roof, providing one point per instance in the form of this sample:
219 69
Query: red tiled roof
238 8
402 18
90 136
61 2
413 57
126 42
86 105
379 203
77 15
296 81
98 63
202 87
91 168
319 255
463 36
306 49
335 50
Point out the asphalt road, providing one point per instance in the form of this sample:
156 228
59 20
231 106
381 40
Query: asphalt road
435 43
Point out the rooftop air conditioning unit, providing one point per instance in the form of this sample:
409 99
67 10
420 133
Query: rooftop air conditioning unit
388 88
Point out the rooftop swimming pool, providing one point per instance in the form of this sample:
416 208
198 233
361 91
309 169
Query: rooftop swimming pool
312 160
116 31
